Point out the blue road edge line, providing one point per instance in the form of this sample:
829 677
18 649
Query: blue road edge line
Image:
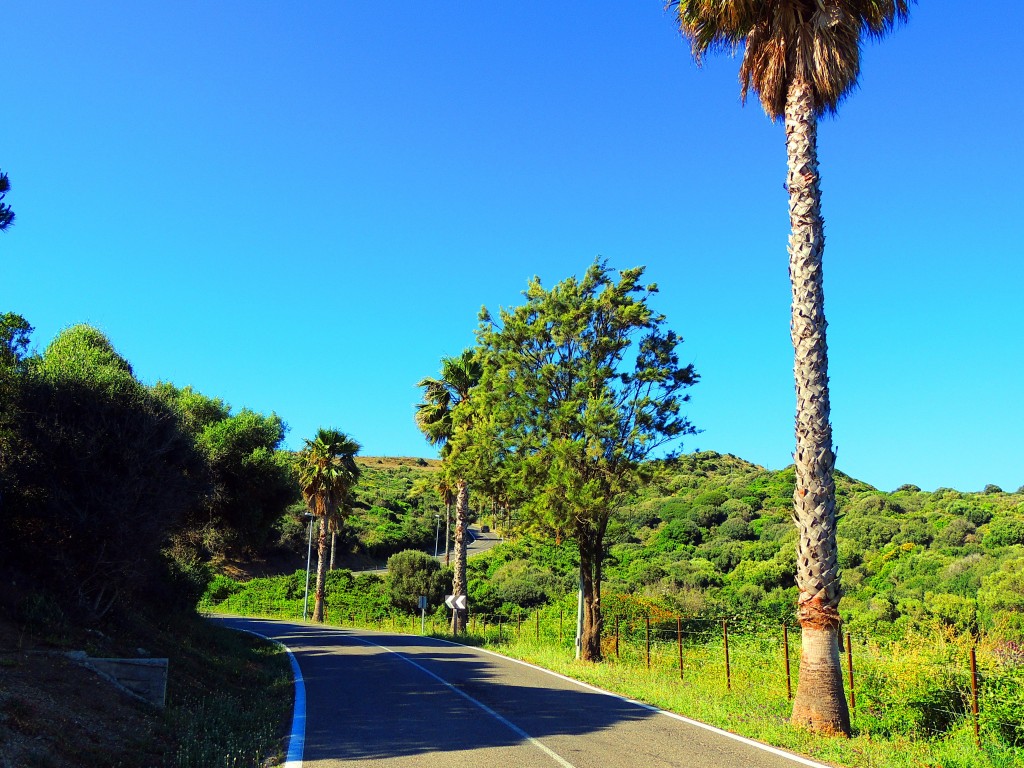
297 737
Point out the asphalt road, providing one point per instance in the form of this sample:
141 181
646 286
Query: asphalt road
381 699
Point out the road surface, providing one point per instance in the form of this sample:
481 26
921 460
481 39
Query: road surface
398 701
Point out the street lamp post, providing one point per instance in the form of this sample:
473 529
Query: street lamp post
437 533
309 555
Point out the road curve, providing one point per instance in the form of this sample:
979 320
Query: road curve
383 699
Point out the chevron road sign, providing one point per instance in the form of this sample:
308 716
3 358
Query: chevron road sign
455 601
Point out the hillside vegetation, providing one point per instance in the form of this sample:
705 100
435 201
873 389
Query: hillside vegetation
711 535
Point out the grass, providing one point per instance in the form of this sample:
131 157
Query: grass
230 701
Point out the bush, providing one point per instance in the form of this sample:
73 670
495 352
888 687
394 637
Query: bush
411 574
1004 532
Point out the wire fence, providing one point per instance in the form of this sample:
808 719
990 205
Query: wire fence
922 689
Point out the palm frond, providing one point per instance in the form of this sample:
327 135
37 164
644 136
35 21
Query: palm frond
817 42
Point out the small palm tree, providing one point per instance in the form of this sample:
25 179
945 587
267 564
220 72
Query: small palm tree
6 214
802 57
447 494
327 473
441 397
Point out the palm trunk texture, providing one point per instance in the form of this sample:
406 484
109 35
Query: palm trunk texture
819 704
459 578
321 553
447 534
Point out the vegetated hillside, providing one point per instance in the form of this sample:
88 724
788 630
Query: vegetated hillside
712 535
393 509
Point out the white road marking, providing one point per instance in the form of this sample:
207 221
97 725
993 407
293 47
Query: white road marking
479 704
651 708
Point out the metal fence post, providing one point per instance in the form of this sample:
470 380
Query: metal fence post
785 650
725 639
974 697
679 642
849 667
647 621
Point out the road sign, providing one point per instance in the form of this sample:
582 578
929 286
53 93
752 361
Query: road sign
455 601
423 602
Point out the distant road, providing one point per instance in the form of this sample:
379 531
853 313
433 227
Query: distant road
478 543
401 701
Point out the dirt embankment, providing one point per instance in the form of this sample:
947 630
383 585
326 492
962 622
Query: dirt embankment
57 714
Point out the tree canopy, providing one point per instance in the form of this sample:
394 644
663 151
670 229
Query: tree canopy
580 385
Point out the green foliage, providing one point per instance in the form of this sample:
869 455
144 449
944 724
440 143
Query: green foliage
580 385
100 476
251 482
6 214
1004 532
411 574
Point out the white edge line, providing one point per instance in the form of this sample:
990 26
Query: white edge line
479 704
297 737
696 723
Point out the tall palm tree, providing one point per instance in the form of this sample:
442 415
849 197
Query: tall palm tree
6 214
327 473
441 396
802 57
447 494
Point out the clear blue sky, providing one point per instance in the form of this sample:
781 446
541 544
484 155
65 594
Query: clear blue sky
300 207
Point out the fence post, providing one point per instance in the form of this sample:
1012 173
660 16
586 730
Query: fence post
499 628
725 639
974 696
538 625
561 612
849 667
647 623
616 637
679 642
785 650
519 622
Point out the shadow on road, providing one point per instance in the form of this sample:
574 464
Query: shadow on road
364 702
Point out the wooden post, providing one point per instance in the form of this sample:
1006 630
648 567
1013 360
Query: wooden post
561 611
785 650
974 696
538 625
725 639
616 637
499 628
647 622
849 667
679 642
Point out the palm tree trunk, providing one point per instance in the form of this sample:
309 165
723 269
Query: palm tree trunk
819 704
321 553
447 534
334 538
459 579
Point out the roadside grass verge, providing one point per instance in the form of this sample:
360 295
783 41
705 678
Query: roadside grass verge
229 699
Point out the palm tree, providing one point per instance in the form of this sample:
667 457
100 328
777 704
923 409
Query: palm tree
327 473
447 494
441 397
802 57
6 214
